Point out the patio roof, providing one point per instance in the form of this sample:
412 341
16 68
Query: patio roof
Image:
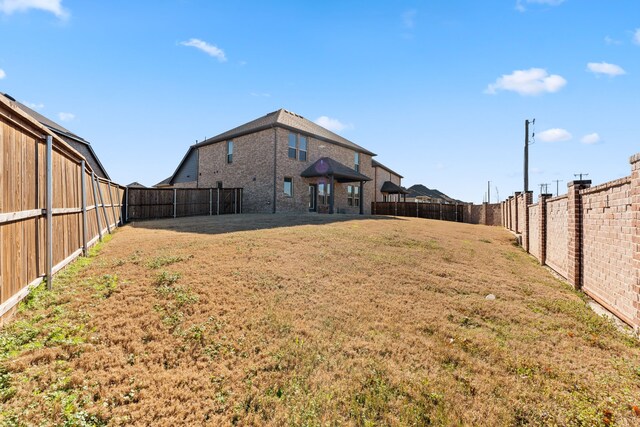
391 188
326 167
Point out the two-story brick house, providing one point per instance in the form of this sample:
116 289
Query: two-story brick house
284 163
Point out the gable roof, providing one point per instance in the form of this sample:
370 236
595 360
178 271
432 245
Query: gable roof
79 144
326 166
377 164
287 120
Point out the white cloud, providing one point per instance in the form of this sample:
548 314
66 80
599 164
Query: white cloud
207 48
533 81
554 135
592 138
66 117
2 74
333 125
409 18
636 36
609 40
611 70
53 6
33 105
520 4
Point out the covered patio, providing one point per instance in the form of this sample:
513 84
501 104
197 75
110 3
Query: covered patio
389 188
335 171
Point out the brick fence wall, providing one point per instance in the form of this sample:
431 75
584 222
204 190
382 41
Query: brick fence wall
590 236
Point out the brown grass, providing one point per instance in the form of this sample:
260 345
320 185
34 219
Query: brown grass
306 321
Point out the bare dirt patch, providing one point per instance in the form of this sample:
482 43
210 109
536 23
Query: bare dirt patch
314 320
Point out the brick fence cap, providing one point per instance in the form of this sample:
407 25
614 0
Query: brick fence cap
578 182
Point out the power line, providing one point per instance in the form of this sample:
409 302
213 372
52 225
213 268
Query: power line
580 175
557 181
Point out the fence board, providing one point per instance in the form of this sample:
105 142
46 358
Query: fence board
445 212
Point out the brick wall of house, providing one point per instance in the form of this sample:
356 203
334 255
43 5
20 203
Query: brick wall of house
293 168
607 246
534 230
557 234
251 169
380 175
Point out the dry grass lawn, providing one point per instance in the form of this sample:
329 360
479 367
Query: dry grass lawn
283 320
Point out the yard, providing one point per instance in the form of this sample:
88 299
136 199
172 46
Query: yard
313 320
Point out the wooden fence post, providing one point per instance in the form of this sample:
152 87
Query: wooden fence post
95 203
440 206
49 201
113 208
175 191
104 208
126 204
83 185
235 200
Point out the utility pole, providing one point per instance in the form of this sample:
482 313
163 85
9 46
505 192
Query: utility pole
557 181
488 191
580 175
497 194
526 153
541 185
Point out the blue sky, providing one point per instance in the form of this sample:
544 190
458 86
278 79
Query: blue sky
438 89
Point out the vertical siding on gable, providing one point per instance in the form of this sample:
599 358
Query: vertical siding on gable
188 172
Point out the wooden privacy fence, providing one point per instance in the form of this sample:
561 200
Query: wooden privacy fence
52 209
445 212
153 203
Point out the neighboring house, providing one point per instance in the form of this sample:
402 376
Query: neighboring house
284 163
79 144
420 193
135 184
387 184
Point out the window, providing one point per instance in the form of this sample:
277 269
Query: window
356 161
353 195
297 147
229 151
293 151
302 148
321 195
288 187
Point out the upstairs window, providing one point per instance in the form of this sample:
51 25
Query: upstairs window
229 151
288 187
297 147
302 148
356 162
293 146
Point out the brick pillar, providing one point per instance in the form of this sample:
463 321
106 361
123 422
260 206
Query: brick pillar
574 226
635 206
518 214
528 199
542 227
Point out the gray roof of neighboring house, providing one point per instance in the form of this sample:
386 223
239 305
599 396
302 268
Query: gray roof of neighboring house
164 182
136 184
326 166
288 120
79 144
377 164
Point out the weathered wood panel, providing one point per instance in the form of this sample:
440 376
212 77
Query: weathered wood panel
445 212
